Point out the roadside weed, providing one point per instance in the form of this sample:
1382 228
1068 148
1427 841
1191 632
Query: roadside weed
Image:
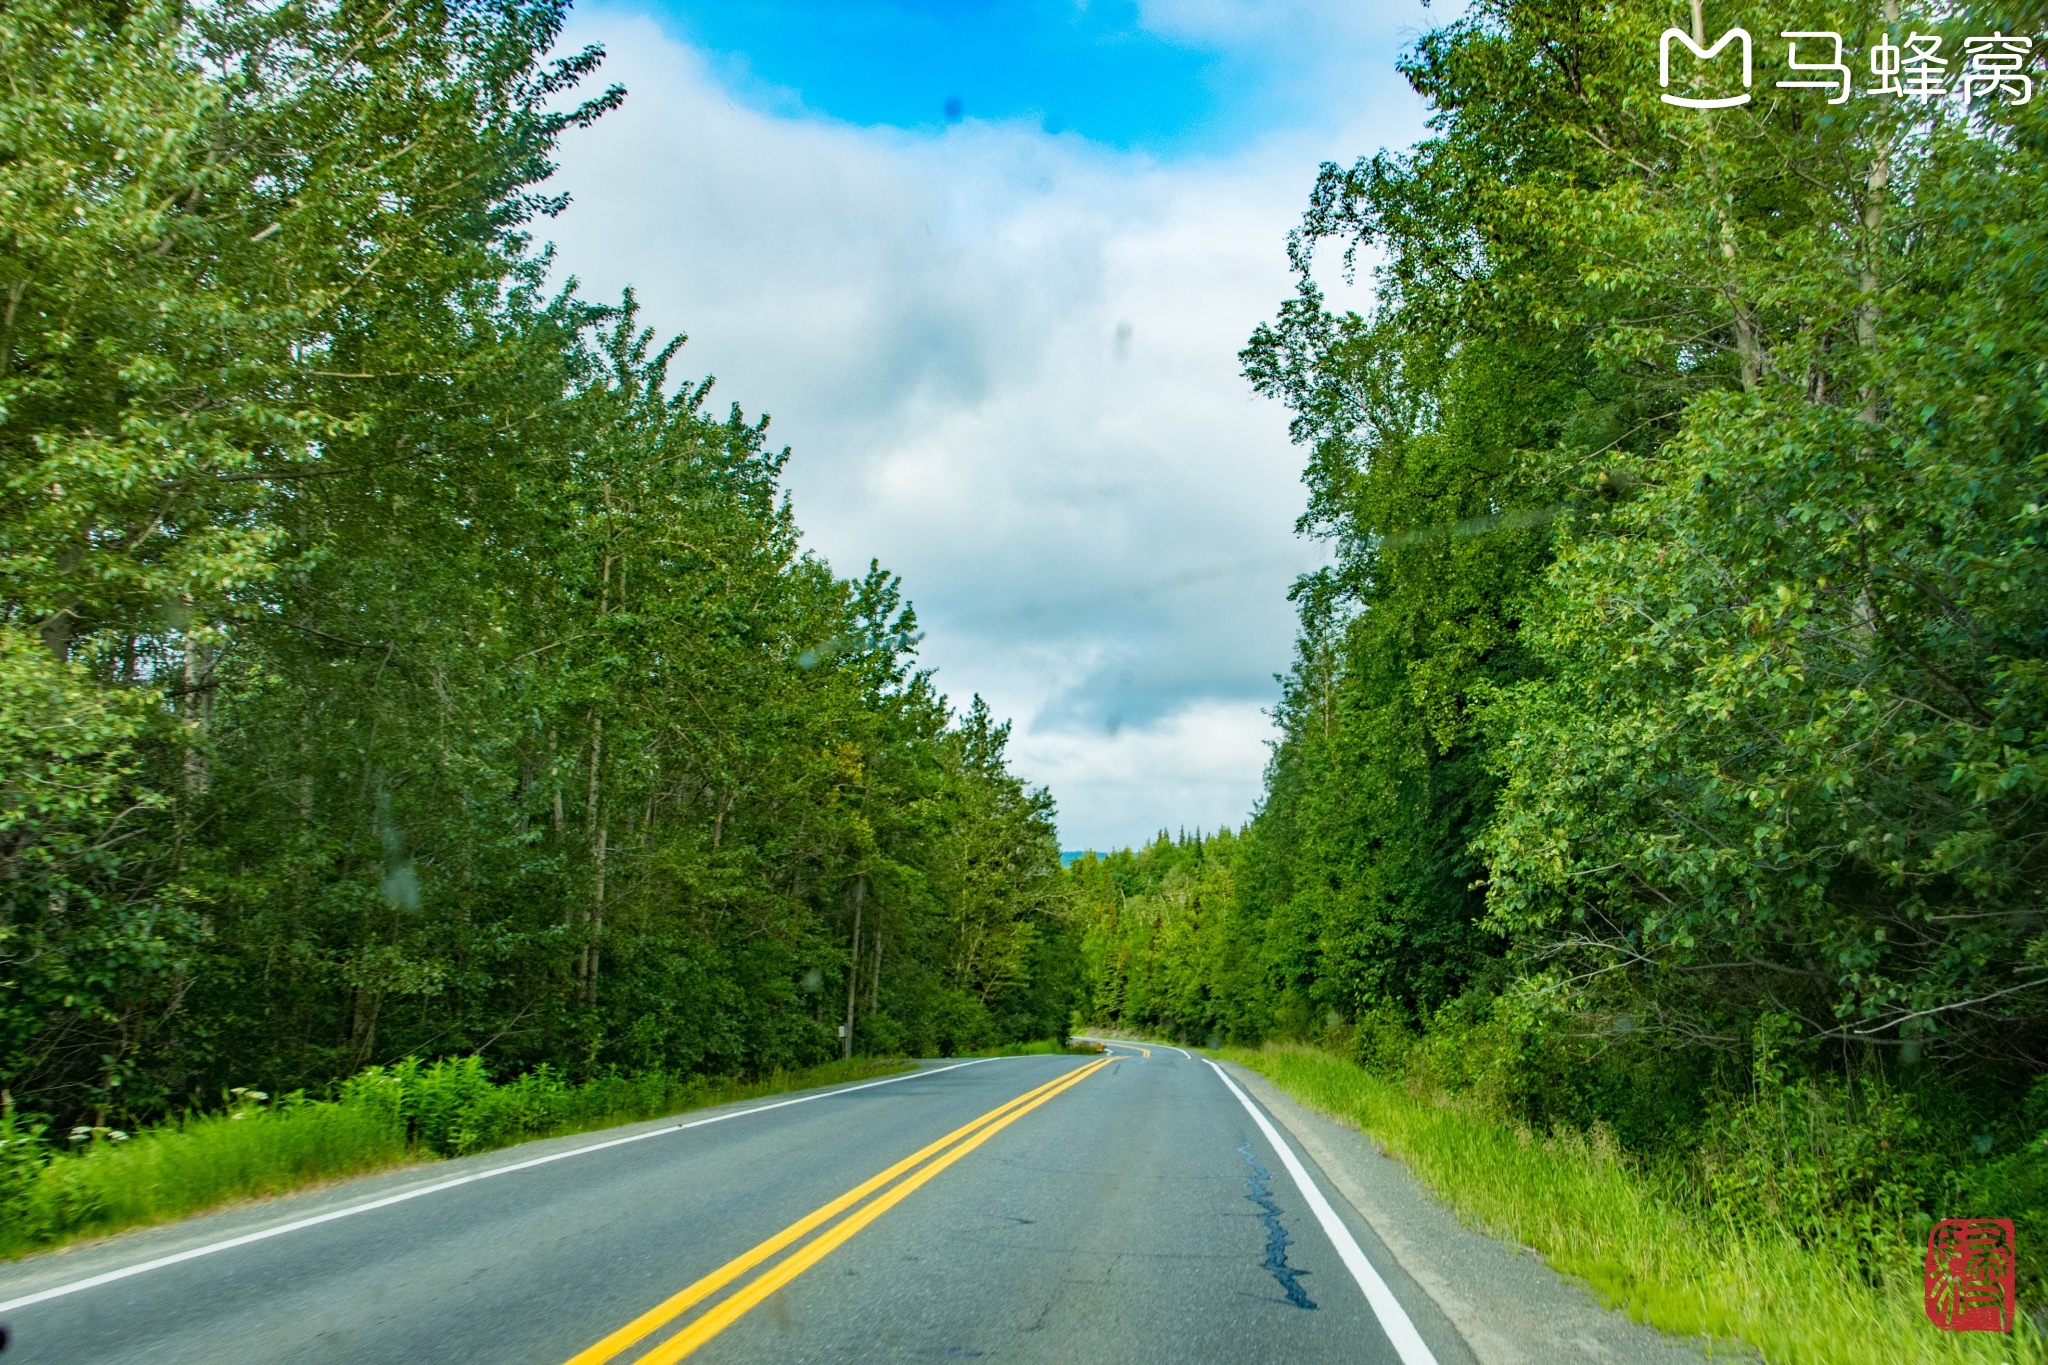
1593 1213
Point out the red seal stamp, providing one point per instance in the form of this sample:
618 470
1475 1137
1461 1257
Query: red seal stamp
1971 1272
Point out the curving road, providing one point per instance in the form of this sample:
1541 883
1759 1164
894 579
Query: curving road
1134 1208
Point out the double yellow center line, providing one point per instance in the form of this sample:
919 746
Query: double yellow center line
920 1163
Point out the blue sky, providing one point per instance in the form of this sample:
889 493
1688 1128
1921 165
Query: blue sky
1095 68
1002 345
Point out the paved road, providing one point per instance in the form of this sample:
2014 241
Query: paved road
1058 1209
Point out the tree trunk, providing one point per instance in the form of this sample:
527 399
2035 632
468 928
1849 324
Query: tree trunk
593 827
55 630
594 917
1747 349
860 893
591 948
556 781
1874 185
195 711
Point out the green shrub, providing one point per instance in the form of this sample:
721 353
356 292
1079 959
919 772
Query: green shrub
2012 1183
1846 1164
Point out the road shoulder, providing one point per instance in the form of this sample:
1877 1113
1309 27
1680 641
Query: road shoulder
1510 1306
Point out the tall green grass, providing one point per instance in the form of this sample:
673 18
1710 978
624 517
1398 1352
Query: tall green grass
1596 1215
384 1117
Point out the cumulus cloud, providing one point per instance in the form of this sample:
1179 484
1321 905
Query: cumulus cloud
1006 362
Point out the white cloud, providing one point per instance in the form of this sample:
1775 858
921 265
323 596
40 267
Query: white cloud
1006 363
1196 769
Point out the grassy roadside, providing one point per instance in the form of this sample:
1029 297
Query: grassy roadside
384 1118
1592 1214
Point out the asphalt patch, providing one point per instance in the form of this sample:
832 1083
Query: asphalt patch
1277 1240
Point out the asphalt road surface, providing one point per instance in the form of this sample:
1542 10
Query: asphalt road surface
1134 1208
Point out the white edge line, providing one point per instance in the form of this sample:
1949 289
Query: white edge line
1394 1319
229 1244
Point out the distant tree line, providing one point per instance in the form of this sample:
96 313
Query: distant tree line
1667 746
394 659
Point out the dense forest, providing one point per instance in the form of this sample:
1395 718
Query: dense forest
1667 746
395 658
